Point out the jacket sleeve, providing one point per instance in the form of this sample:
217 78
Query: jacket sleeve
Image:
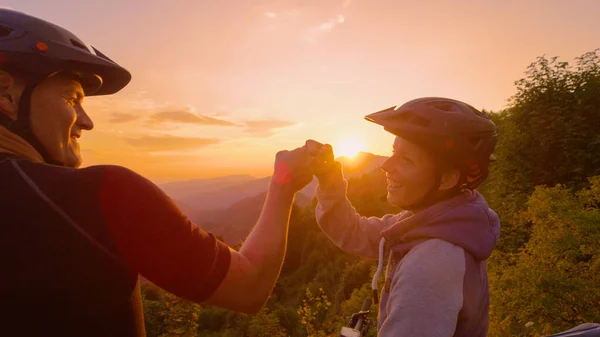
426 293
349 230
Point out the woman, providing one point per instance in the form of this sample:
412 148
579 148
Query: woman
436 282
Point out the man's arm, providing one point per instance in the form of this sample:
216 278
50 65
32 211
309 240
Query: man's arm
427 292
255 268
159 242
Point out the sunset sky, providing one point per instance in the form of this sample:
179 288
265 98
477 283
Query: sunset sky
220 86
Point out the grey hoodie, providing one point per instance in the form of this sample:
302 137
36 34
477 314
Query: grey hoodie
438 283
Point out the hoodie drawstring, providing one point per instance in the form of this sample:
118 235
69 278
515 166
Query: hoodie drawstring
378 272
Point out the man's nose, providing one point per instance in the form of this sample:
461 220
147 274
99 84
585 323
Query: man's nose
83 119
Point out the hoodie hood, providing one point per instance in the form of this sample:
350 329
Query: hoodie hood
464 220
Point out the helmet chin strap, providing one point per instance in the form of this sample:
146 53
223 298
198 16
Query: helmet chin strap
22 126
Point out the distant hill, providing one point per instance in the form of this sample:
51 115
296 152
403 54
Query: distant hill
205 199
235 223
183 189
363 163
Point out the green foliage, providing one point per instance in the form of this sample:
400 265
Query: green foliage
544 272
547 137
212 319
289 320
556 108
507 187
355 275
313 313
553 282
265 324
168 315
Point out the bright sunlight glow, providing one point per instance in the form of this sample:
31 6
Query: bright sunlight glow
349 147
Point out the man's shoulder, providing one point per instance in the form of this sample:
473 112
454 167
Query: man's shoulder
107 180
51 170
105 168
114 173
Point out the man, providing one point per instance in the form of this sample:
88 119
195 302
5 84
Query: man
75 240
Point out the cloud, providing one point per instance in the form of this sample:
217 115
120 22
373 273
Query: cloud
119 117
311 19
149 112
187 117
169 143
325 27
328 25
265 128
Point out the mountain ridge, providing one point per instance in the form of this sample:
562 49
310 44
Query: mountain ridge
229 206
215 203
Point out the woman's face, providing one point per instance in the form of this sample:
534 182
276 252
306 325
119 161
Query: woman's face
410 173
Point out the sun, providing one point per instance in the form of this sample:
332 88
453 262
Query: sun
349 147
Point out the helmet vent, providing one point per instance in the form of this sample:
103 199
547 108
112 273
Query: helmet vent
99 54
444 106
79 45
475 142
478 113
415 119
5 31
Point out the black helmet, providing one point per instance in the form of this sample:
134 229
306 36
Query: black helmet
449 129
41 49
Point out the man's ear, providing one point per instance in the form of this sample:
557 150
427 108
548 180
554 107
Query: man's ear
449 180
10 92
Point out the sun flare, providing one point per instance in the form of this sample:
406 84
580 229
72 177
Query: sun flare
349 147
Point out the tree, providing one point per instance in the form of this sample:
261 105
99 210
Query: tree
265 324
168 315
547 136
551 285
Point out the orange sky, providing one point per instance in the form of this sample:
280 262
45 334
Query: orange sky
220 86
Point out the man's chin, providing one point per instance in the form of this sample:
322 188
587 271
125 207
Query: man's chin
73 160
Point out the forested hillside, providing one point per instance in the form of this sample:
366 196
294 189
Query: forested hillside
545 186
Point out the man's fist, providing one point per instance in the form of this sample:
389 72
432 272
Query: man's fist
293 169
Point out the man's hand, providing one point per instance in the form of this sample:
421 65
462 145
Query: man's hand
293 169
